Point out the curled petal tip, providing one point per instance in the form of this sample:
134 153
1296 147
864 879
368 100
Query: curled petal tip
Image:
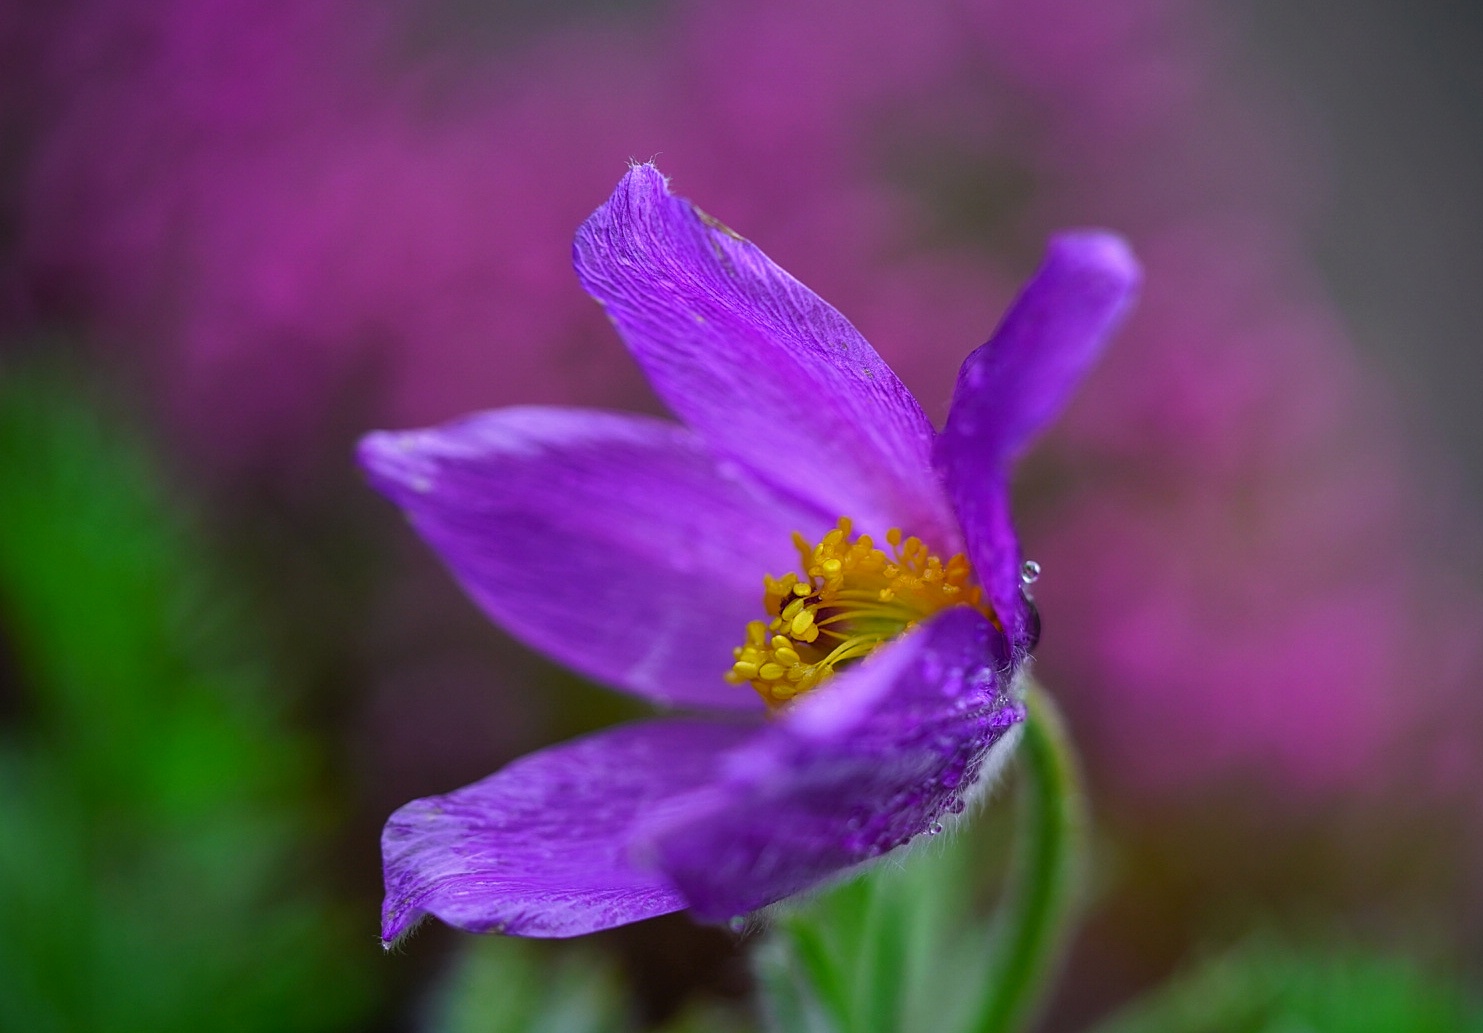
392 462
395 928
1097 257
1010 389
645 170
643 177
371 450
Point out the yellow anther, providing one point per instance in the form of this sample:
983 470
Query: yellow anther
849 599
803 621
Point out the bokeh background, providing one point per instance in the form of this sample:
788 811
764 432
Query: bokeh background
237 235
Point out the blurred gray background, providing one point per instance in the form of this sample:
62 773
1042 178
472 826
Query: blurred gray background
1392 92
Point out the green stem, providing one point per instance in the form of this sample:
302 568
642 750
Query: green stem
1041 897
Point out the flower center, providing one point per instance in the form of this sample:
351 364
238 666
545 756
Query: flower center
850 598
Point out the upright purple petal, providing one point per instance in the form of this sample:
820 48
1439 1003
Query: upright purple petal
541 848
612 543
879 755
1010 388
758 365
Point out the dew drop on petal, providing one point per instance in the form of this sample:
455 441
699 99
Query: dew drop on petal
737 923
934 828
1029 572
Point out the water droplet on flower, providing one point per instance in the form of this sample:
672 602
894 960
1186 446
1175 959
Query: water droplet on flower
934 828
737 923
1030 572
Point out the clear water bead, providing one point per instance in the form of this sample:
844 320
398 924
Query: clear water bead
1029 572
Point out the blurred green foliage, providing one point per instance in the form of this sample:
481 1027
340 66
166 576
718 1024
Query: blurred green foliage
1265 986
153 871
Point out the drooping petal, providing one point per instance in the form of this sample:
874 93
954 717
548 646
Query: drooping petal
613 543
1010 388
541 847
880 755
758 365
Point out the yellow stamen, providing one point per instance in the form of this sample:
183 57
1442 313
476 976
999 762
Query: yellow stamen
849 599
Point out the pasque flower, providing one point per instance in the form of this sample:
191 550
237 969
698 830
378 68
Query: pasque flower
801 555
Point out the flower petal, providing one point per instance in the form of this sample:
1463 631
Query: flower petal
540 848
1010 388
758 365
613 543
877 756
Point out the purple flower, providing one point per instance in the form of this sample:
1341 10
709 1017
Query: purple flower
642 553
